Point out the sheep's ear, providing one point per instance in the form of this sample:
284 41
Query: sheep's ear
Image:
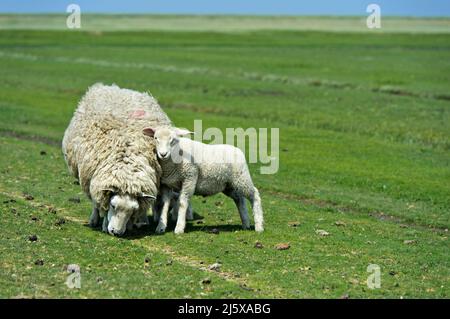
110 191
182 131
149 131
148 196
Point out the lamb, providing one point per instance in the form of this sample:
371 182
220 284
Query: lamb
194 168
172 201
115 164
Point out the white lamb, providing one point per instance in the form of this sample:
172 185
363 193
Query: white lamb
194 168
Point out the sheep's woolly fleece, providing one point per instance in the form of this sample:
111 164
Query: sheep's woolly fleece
104 146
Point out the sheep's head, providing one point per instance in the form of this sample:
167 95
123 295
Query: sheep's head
166 139
122 208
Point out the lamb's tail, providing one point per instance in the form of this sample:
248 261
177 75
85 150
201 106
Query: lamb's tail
257 211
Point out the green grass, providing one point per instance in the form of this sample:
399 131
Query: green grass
223 23
364 140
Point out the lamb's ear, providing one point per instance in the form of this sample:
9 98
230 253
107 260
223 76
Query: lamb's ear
182 131
149 131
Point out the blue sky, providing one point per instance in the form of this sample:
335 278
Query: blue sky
264 7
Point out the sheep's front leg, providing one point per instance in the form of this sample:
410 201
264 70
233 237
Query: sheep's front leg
106 217
105 224
165 196
187 190
95 218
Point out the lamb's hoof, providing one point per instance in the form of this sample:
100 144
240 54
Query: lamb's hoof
259 228
178 230
160 229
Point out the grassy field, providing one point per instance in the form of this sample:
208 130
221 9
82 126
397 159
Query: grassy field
364 155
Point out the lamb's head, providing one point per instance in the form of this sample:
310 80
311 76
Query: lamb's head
166 139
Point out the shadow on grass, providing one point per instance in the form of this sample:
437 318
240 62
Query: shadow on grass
191 226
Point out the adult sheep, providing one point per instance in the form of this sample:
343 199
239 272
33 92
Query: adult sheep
106 151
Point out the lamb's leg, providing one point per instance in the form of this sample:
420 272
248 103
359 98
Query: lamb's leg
257 210
187 190
189 212
155 213
162 224
95 218
175 207
239 200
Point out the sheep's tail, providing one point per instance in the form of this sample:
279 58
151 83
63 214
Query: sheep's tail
257 211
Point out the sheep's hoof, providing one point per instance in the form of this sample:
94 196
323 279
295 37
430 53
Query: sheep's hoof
94 221
160 229
93 224
105 225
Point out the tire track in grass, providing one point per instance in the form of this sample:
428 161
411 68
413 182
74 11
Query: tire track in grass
243 75
197 264
167 250
342 208
31 138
